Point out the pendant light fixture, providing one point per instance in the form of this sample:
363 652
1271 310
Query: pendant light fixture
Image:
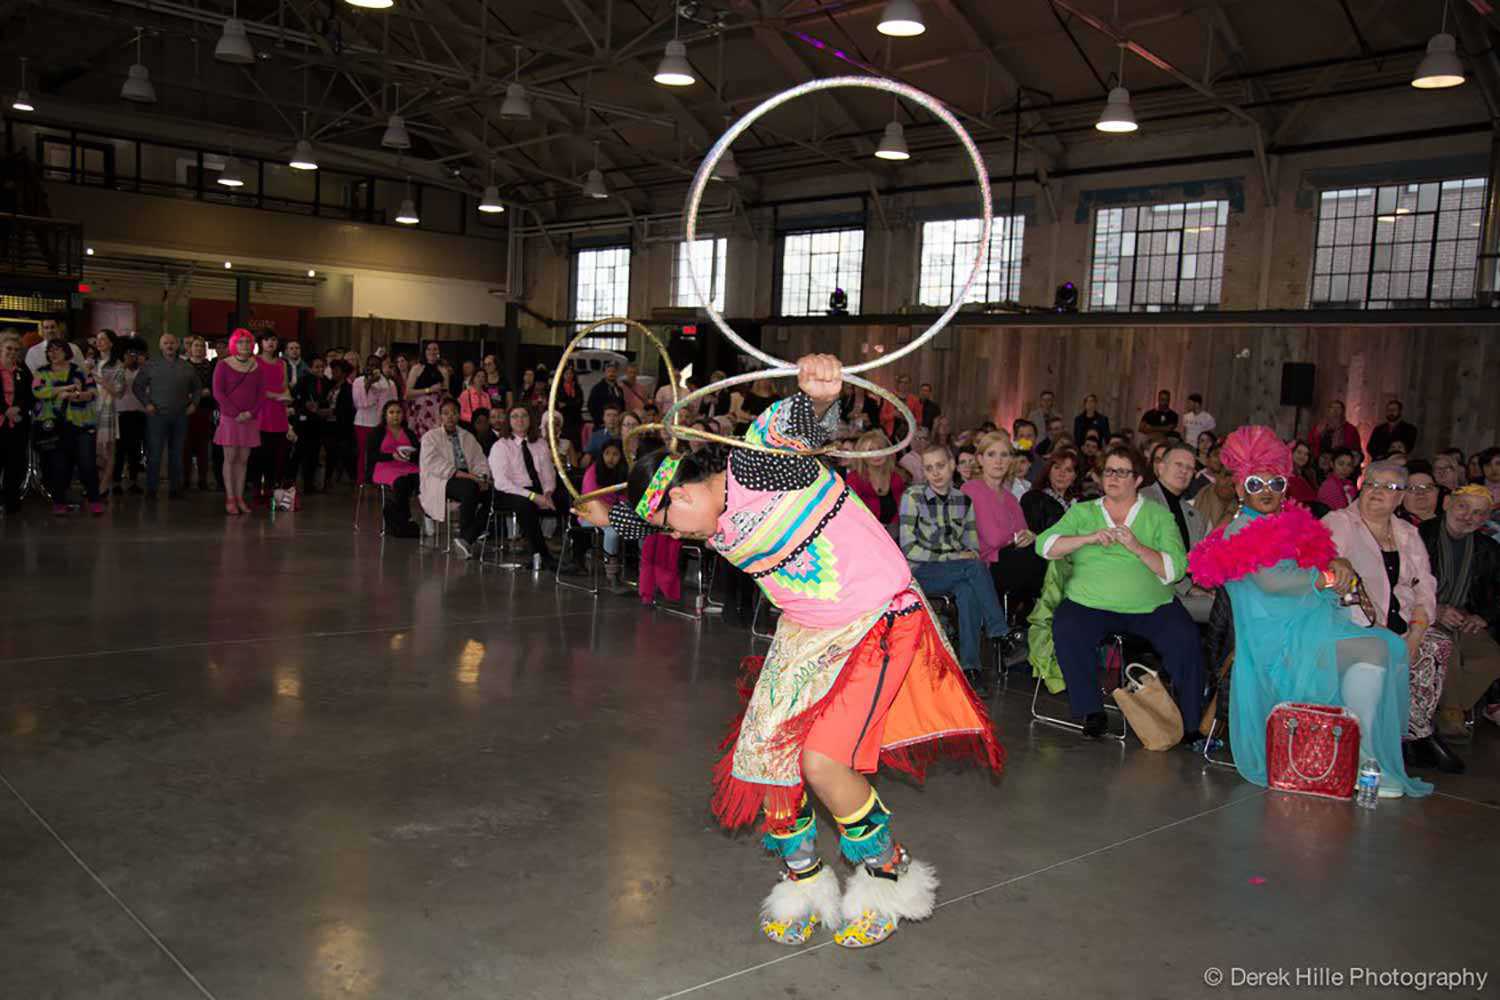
232 176
1118 116
517 106
673 70
726 169
302 156
396 136
1440 68
407 215
901 19
137 86
23 99
372 4
893 143
234 45
593 185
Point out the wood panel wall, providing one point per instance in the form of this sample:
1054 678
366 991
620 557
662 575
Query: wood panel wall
1447 376
365 333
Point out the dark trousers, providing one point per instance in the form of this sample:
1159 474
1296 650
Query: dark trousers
473 506
268 462
528 516
397 512
13 460
130 446
73 453
309 449
169 432
197 449
1077 632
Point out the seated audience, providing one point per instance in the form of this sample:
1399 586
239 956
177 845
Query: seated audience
911 462
609 470
1466 565
1396 578
1302 484
482 431
1394 431
1174 471
1126 555
15 420
607 429
1217 502
1448 469
1293 641
525 479
1339 490
966 463
451 467
940 537
395 462
1004 538
1423 499
496 386
875 480
64 427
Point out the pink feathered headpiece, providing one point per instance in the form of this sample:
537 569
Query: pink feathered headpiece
237 336
1256 449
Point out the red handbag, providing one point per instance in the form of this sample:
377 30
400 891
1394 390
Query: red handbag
1312 749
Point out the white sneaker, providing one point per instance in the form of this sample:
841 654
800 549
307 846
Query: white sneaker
1390 791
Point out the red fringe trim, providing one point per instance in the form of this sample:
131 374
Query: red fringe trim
739 803
1292 534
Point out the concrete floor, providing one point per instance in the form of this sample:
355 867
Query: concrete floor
282 760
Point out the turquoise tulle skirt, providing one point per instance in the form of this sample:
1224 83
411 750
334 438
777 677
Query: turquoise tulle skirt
1288 641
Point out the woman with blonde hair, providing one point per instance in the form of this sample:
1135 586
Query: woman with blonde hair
876 481
1004 538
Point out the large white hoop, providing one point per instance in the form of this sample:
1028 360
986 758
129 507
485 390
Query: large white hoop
925 100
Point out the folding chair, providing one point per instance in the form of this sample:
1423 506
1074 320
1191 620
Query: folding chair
695 609
755 629
595 553
359 497
1117 641
502 526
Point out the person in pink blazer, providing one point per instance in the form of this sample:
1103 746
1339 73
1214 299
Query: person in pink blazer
876 481
452 466
1400 595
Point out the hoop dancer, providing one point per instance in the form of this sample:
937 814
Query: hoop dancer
858 674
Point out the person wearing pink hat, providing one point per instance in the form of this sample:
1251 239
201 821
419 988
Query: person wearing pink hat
1293 640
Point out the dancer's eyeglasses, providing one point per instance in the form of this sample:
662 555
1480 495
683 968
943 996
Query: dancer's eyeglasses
1255 484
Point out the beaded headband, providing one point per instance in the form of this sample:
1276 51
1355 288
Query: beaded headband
656 490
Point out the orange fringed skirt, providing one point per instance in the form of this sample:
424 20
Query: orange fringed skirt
899 700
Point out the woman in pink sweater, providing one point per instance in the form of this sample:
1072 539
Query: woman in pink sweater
1004 539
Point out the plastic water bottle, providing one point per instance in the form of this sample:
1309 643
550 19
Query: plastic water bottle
536 562
1367 787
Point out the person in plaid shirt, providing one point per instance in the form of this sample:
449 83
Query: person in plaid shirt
940 538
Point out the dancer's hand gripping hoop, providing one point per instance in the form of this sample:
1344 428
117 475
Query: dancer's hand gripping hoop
670 427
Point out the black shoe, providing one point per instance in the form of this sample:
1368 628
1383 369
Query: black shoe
1431 752
1095 724
979 680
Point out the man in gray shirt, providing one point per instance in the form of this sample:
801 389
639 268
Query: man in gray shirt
169 389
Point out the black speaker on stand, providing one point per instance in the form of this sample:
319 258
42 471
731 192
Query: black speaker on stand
1297 387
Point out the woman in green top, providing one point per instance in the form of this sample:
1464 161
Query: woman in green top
1126 554
66 419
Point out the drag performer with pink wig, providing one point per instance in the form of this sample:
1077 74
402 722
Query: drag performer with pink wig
1293 640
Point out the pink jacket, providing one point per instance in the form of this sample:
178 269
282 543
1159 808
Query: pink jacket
437 467
1347 437
865 490
509 470
1336 493
370 400
1416 590
997 515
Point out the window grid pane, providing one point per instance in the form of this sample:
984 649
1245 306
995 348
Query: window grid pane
948 249
1161 257
603 290
708 258
1397 246
814 264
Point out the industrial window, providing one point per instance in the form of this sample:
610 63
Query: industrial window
1151 258
603 289
1401 245
948 249
814 264
707 257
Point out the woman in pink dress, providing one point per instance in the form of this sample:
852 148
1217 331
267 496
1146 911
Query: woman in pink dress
271 463
393 464
239 389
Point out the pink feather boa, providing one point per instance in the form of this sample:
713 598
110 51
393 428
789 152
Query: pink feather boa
1292 534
